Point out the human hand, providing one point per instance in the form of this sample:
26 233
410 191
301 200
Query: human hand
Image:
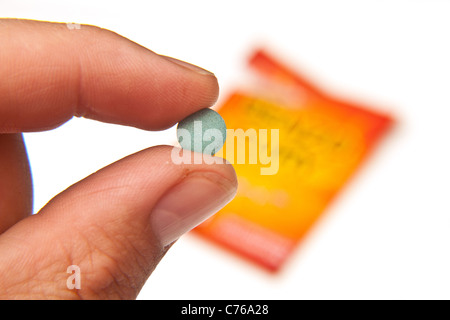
116 224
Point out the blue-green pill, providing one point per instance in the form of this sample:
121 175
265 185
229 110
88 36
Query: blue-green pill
203 131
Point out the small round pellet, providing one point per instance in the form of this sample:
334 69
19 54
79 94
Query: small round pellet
203 131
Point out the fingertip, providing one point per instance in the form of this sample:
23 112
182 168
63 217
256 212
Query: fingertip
116 224
88 71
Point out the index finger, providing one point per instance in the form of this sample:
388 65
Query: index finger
50 73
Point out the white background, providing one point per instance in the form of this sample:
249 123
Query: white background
388 234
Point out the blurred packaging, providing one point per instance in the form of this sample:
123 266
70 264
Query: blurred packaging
293 148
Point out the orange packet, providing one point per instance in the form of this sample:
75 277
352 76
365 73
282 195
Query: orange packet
314 143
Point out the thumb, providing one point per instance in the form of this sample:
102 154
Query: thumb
113 227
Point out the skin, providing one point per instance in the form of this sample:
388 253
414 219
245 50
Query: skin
50 74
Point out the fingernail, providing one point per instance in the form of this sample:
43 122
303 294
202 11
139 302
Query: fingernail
189 203
189 66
